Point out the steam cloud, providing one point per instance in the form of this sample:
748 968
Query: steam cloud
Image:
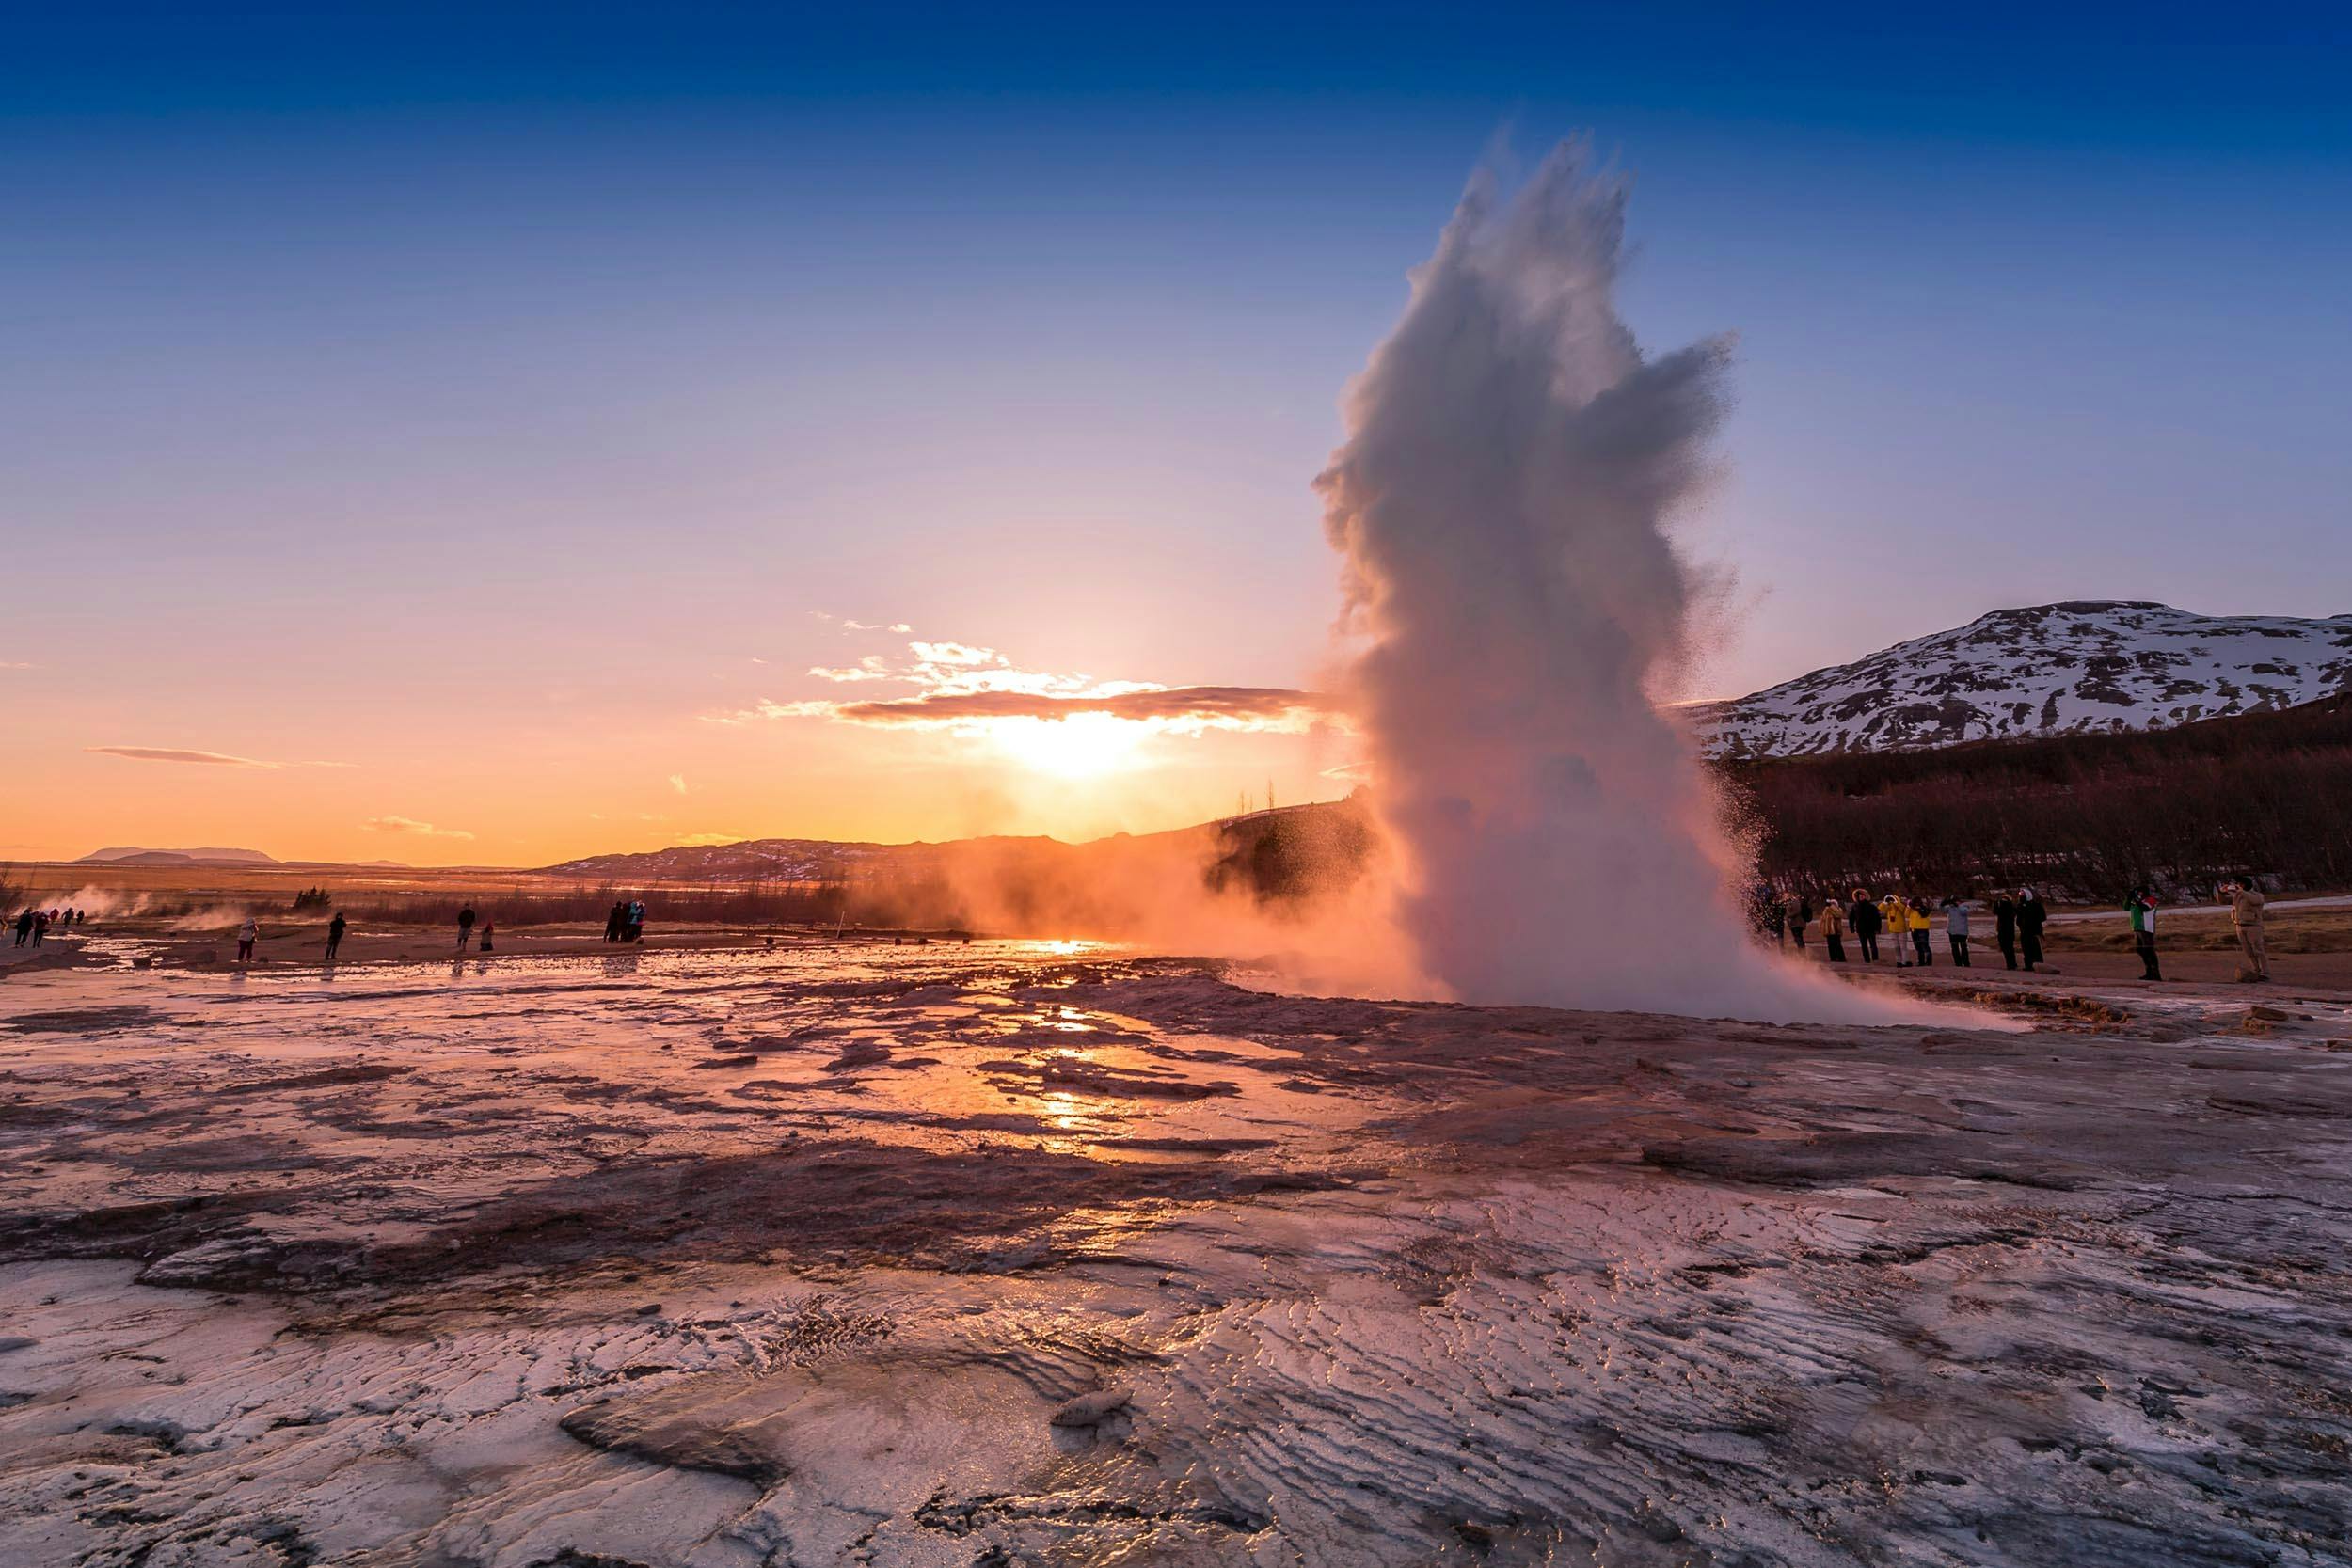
1501 505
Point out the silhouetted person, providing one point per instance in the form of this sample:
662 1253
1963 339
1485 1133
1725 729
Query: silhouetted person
1864 916
615 918
489 929
1800 916
465 927
2031 916
1956 930
334 935
2143 910
24 927
2005 926
247 934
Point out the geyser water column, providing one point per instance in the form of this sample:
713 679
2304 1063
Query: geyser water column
1502 503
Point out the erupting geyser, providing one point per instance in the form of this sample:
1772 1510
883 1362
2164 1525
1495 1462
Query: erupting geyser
1501 502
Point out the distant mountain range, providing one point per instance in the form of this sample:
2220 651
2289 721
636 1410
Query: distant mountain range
2097 666
131 854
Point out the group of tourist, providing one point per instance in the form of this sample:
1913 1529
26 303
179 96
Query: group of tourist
1907 921
465 918
625 921
34 926
2018 917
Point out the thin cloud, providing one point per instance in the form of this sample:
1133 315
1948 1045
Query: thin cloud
1225 707
208 759
677 782
701 841
846 624
954 654
964 685
871 668
411 827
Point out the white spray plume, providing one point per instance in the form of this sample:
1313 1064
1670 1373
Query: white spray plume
1503 505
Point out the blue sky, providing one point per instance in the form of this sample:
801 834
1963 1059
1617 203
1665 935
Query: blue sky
604 346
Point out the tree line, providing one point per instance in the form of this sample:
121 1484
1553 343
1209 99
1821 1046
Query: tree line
2262 794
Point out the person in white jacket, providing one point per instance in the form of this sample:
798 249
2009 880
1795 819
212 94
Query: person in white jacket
2246 914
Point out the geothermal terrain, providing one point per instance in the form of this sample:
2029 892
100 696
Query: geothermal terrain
1019 1253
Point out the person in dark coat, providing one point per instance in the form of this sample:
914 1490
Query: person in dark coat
24 927
2005 926
2031 916
465 927
335 934
2143 912
614 919
1864 917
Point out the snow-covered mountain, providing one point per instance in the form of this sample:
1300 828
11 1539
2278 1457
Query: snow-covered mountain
2059 668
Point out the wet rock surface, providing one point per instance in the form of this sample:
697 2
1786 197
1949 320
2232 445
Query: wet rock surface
1007 1254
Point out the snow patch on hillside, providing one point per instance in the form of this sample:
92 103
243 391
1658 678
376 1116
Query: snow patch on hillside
2080 667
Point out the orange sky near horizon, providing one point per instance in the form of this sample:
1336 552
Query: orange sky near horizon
479 771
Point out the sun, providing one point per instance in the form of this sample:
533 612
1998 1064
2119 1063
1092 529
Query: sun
1083 746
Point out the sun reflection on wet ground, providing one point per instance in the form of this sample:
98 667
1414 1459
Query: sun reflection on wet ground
1043 1252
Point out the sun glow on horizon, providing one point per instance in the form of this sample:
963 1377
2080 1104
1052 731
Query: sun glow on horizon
1081 746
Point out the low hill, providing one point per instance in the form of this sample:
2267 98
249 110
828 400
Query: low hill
2077 668
782 860
1103 886
138 855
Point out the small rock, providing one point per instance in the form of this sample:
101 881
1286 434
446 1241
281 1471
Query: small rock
1092 1409
16 1341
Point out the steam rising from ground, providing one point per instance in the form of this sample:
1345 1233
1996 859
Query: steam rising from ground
1502 504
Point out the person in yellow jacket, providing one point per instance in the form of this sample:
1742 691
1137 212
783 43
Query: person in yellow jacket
1833 924
1896 916
1919 921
